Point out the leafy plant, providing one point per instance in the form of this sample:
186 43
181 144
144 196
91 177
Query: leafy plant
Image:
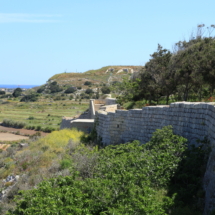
127 179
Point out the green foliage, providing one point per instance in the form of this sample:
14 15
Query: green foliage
41 89
70 90
17 92
187 181
89 91
188 73
29 98
2 92
87 83
13 124
128 179
105 90
126 90
54 87
65 163
31 118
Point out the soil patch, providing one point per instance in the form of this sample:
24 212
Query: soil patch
4 146
11 137
22 131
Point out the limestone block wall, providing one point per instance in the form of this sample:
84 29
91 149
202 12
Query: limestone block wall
110 101
85 125
190 120
66 122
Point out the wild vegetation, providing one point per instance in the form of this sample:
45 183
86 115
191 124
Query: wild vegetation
119 179
185 74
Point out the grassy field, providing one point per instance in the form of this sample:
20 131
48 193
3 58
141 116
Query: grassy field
44 114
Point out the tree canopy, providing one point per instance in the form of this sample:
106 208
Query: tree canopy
17 92
187 72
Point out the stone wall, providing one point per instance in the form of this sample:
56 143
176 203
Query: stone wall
66 122
191 120
85 125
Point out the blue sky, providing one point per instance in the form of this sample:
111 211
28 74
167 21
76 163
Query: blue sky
41 38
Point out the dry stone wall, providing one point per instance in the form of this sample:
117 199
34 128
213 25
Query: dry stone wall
66 122
191 120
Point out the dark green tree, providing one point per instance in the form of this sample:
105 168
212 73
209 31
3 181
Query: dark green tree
89 91
17 92
70 90
87 83
105 90
157 78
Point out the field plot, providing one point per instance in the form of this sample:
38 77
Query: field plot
11 137
42 114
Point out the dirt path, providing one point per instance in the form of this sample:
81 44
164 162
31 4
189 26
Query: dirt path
11 137
21 131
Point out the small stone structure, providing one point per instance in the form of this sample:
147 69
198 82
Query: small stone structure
191 120
85 122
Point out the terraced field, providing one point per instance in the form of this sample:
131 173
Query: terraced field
44 114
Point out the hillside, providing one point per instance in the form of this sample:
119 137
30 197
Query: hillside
99 76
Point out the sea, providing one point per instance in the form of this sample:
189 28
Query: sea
16 86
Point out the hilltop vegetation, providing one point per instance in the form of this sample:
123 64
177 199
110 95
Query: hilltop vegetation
99 76
187 73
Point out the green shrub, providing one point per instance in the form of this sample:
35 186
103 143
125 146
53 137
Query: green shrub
87 83
70 90
105 90
17 92
48 129
29 98
65 163
13 124
38 128
89 91
31 118
127 179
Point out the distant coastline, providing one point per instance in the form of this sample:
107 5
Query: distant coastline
15 86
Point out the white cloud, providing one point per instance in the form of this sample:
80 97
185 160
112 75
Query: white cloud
28 18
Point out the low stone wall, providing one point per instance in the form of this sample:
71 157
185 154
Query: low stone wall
110 101
191 120
85 125
109 108
66 122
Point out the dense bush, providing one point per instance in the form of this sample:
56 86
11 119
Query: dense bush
87 83
187 73
2 92
70 90
29 98
13 124
127 179
105 90
54 87
17 92
41 89
88 91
